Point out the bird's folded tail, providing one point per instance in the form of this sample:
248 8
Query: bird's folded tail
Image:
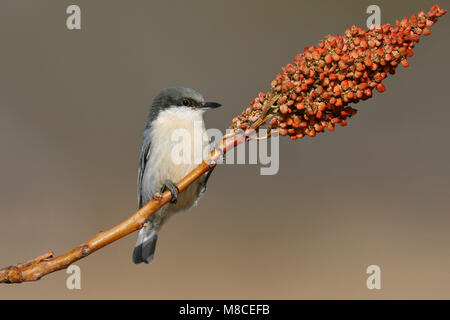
144 250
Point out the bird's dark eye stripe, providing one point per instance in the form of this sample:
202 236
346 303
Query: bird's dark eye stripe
188 102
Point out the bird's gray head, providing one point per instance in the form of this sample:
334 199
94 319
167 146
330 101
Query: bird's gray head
179 97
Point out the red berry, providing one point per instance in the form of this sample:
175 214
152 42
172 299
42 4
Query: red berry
381 87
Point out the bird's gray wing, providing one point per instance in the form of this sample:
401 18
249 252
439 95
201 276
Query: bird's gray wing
143 161
205 180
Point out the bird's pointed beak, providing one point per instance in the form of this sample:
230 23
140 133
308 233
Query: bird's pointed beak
210 105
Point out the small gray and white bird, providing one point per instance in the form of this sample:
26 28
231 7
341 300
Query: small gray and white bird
172 109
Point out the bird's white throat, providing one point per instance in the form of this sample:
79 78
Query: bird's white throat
179 135
183 113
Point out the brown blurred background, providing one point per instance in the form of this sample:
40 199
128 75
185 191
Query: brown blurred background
72 110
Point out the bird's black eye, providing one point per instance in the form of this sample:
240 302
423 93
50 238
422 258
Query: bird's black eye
187 102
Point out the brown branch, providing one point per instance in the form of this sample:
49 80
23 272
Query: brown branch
37 268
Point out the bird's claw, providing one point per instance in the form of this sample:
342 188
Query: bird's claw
173 188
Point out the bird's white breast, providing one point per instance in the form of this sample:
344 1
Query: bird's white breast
161 164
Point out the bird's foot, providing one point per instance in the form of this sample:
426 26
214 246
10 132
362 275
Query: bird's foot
172 187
